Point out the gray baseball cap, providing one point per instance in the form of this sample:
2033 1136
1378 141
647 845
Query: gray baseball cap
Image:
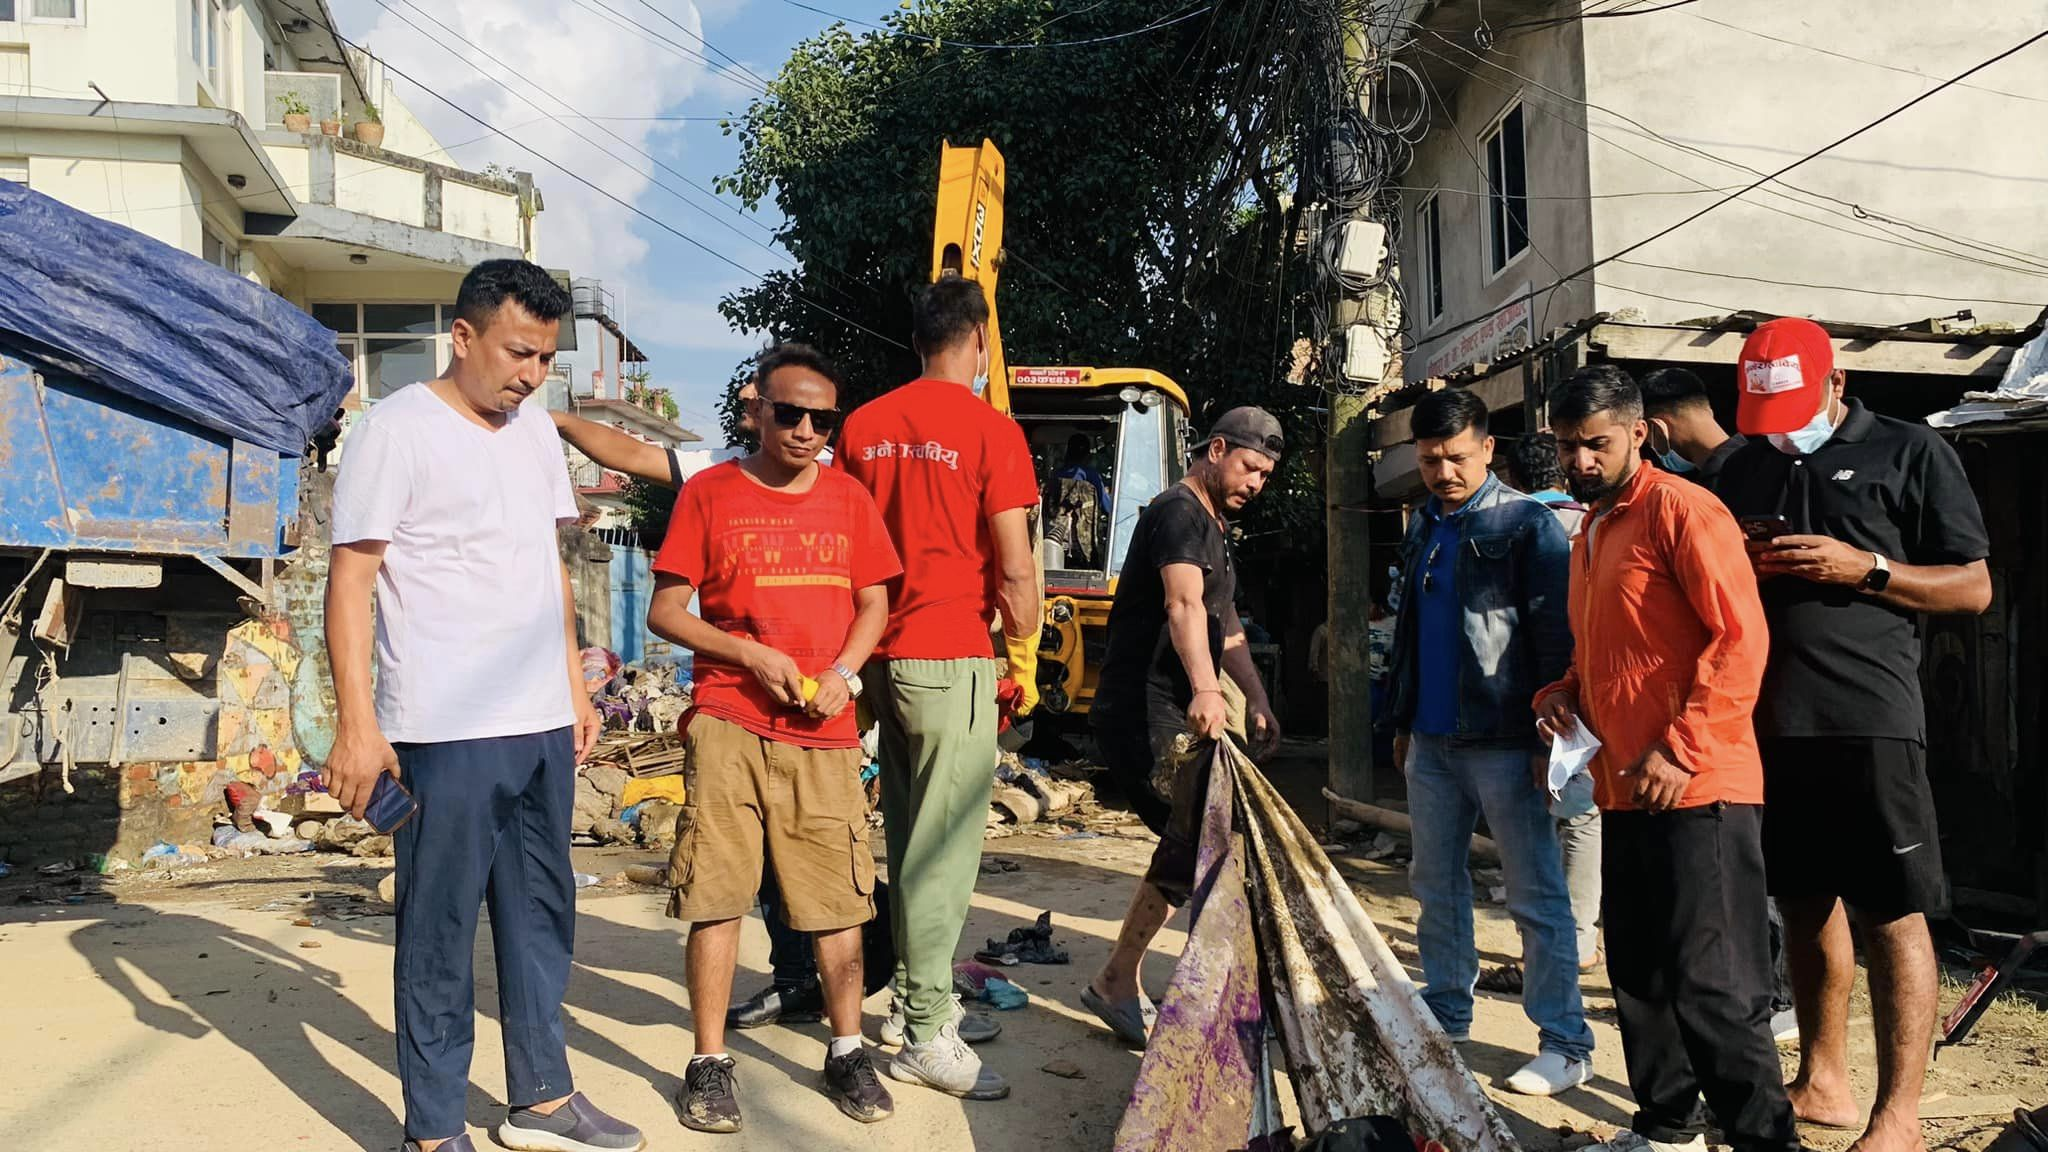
1253 428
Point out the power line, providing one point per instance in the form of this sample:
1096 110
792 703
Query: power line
593 186
1760 181
623 22
1855 210
1838 287
708 45
944 43
1861 60
1608 14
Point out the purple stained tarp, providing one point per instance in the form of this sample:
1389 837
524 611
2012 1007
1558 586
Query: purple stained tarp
1357 1038
94 299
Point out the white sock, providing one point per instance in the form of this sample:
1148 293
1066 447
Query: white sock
844 1046
707 1056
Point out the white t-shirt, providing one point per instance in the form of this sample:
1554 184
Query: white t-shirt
470 625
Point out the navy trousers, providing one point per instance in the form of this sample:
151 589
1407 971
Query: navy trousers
493 828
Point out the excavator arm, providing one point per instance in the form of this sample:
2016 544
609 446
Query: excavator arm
967 240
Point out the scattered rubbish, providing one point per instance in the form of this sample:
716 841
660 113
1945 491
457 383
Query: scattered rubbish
1031 945
372 847
387 888
1344 828
276 824
669 788
997 865
305 922
642 697
309 944
586 880
162 855
242 801
1082 835
1064 1069
630 815
971 979
1383 845
1003 995
1501 978
60 867
647 875
253 843
1498 894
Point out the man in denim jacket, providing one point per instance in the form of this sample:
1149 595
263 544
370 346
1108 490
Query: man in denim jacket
1484 576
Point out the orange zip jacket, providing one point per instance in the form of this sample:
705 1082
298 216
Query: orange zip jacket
1669 641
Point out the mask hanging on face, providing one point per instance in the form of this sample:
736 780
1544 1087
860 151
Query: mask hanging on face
980 384
1806 441
1673 462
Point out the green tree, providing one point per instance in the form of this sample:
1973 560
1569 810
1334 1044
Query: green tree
1147 214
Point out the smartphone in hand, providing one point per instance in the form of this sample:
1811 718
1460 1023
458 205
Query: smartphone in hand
1765 527
390 805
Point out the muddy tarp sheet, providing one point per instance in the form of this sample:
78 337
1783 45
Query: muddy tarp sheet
94 299
1277 928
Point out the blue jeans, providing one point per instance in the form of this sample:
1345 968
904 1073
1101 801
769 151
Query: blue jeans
492 829
1450 786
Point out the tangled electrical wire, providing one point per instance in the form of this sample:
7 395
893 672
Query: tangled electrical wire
1366 114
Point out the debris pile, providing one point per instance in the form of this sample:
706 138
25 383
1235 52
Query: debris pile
1034 795
638 697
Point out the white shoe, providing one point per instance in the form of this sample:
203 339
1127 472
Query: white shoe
947 1064
1627 1141
1784 1027
975 1027
1549 1074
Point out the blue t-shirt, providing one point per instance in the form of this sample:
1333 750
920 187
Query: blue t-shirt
1439 632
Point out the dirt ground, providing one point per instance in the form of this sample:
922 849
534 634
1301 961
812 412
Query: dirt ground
246 1005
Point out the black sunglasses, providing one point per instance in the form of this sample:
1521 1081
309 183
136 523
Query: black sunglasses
823 420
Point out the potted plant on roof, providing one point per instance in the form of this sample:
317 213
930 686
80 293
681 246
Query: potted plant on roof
297 117
331 127
370 129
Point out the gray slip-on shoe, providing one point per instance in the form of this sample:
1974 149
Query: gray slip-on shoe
576 1126
1126 1018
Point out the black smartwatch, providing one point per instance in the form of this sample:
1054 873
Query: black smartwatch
1880 575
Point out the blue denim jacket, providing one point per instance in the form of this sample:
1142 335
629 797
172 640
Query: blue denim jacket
1513 573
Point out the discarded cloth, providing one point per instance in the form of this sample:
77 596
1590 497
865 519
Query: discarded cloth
1031 945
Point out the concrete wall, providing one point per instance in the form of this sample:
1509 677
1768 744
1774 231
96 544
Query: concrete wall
1450 162
139 181
1968 162
120 46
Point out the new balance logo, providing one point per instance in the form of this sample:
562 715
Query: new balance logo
1845 474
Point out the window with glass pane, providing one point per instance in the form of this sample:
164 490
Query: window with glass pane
1432 241
193 9
340 317
54 9
389 365
6 10
411 319
1507 192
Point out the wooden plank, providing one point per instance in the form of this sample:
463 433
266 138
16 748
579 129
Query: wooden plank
1700 346
1501 391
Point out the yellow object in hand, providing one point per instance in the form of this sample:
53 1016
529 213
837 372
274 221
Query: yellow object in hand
1021 654
810 688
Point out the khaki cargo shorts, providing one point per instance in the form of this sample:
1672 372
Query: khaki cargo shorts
804 806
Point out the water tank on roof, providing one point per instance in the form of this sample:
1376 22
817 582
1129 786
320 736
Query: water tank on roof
588 299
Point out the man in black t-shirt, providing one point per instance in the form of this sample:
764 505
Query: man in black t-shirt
1173 633
1858 524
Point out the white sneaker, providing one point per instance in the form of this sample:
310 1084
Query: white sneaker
1549 1074
975 1027
947 1064
1627 1141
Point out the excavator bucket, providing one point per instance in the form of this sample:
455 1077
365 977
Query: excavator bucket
967 240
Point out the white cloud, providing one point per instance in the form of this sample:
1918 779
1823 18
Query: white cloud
597 64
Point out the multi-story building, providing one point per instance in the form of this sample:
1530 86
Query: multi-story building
170 116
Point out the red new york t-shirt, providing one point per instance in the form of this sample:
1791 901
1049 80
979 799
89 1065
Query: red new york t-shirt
940 462
780 568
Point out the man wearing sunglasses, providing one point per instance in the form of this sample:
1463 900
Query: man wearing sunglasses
1484 576
955 483
789 562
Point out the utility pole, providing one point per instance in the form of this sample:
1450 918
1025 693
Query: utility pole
1348 482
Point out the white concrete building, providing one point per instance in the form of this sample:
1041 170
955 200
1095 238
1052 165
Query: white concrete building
1554 145
168 116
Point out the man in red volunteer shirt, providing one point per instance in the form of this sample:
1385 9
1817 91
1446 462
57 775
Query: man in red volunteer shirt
954 481
789 562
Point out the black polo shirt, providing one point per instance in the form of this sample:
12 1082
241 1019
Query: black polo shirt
1708 473
1844 663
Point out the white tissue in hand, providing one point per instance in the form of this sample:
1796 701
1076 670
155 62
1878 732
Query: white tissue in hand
1570 754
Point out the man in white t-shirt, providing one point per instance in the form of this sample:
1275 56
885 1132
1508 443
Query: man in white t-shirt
446 510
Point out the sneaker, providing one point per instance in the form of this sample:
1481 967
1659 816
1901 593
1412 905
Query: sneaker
458 1144
852 1084
975 1027
776 1005
1785 1027
707 1098
1549 1074
576 1126
1627 1141
947 1064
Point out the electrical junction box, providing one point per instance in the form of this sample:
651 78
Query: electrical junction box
1363 248
1365 353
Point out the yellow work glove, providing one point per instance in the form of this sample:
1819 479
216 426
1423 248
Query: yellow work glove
1022 654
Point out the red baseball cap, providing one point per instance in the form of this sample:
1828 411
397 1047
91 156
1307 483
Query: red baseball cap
1782 377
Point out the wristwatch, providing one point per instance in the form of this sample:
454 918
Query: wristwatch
852 679
1880 575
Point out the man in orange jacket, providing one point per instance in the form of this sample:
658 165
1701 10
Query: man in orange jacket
1668 657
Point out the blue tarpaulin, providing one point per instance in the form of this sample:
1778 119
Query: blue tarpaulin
104 302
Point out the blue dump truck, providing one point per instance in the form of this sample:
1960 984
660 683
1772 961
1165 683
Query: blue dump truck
155 411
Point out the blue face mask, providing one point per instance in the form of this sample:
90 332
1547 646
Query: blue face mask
1673 462
1806 441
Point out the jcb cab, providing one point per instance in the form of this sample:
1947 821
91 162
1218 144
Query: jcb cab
1105 440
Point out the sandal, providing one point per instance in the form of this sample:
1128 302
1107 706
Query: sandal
1127 1019
1506 978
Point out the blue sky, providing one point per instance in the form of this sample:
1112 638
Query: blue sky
638 65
